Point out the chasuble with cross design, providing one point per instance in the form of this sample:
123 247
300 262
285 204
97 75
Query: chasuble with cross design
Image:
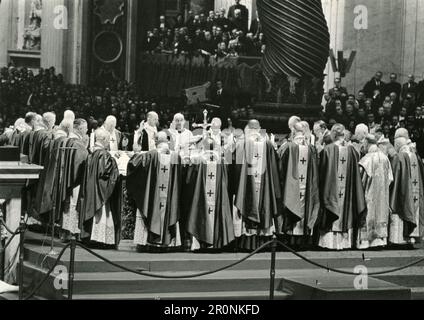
209 219
343 207
154 183
407 198
298 167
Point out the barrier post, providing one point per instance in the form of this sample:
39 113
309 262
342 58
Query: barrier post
273 258
71 274
2 248
22 230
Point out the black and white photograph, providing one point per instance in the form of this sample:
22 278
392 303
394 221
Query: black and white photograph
216 157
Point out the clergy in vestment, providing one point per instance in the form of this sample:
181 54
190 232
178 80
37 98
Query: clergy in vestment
361 132
98 221
181 137
76 161
114 134
406 193
154 183
259 190
342 195
210 220
377 176
298 168
145 136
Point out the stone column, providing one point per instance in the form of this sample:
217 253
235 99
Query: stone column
131 54
334 11
53 44
5 29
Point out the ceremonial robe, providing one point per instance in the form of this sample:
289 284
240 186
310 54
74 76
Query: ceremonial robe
98 220
154 183
298 167
210 219
407 198
342 196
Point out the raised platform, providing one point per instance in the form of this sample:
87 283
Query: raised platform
295 279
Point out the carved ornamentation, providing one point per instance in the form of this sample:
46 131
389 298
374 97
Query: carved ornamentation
109 10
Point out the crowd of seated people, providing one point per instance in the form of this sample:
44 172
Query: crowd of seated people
383 107
215 35
21 91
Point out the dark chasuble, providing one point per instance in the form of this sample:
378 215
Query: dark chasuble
154 182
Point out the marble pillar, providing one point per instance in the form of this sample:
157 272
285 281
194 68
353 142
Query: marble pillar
76 58
5 30
53 39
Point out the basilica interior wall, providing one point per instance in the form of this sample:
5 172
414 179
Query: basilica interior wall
392 41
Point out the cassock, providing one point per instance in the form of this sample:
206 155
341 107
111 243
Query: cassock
299 186
258 191
342 196
154 183
99 220
407 198
377 176
210 220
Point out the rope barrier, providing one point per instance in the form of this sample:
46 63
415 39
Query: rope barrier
347 272
197 275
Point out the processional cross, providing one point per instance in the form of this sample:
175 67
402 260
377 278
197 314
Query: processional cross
205 126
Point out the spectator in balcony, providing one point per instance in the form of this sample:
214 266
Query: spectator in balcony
179 22
222 21
241 17
238 22
393 87
374 84
208 45
410 88
211 20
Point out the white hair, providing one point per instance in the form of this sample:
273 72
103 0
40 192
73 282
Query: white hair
361 129
67 126
293 120
102 134
49 119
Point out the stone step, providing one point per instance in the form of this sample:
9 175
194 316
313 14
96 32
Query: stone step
219 295
85 262
229 280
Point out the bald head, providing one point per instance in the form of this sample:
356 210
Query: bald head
216 124
152 119
162 137
179 121
361 131
254 125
